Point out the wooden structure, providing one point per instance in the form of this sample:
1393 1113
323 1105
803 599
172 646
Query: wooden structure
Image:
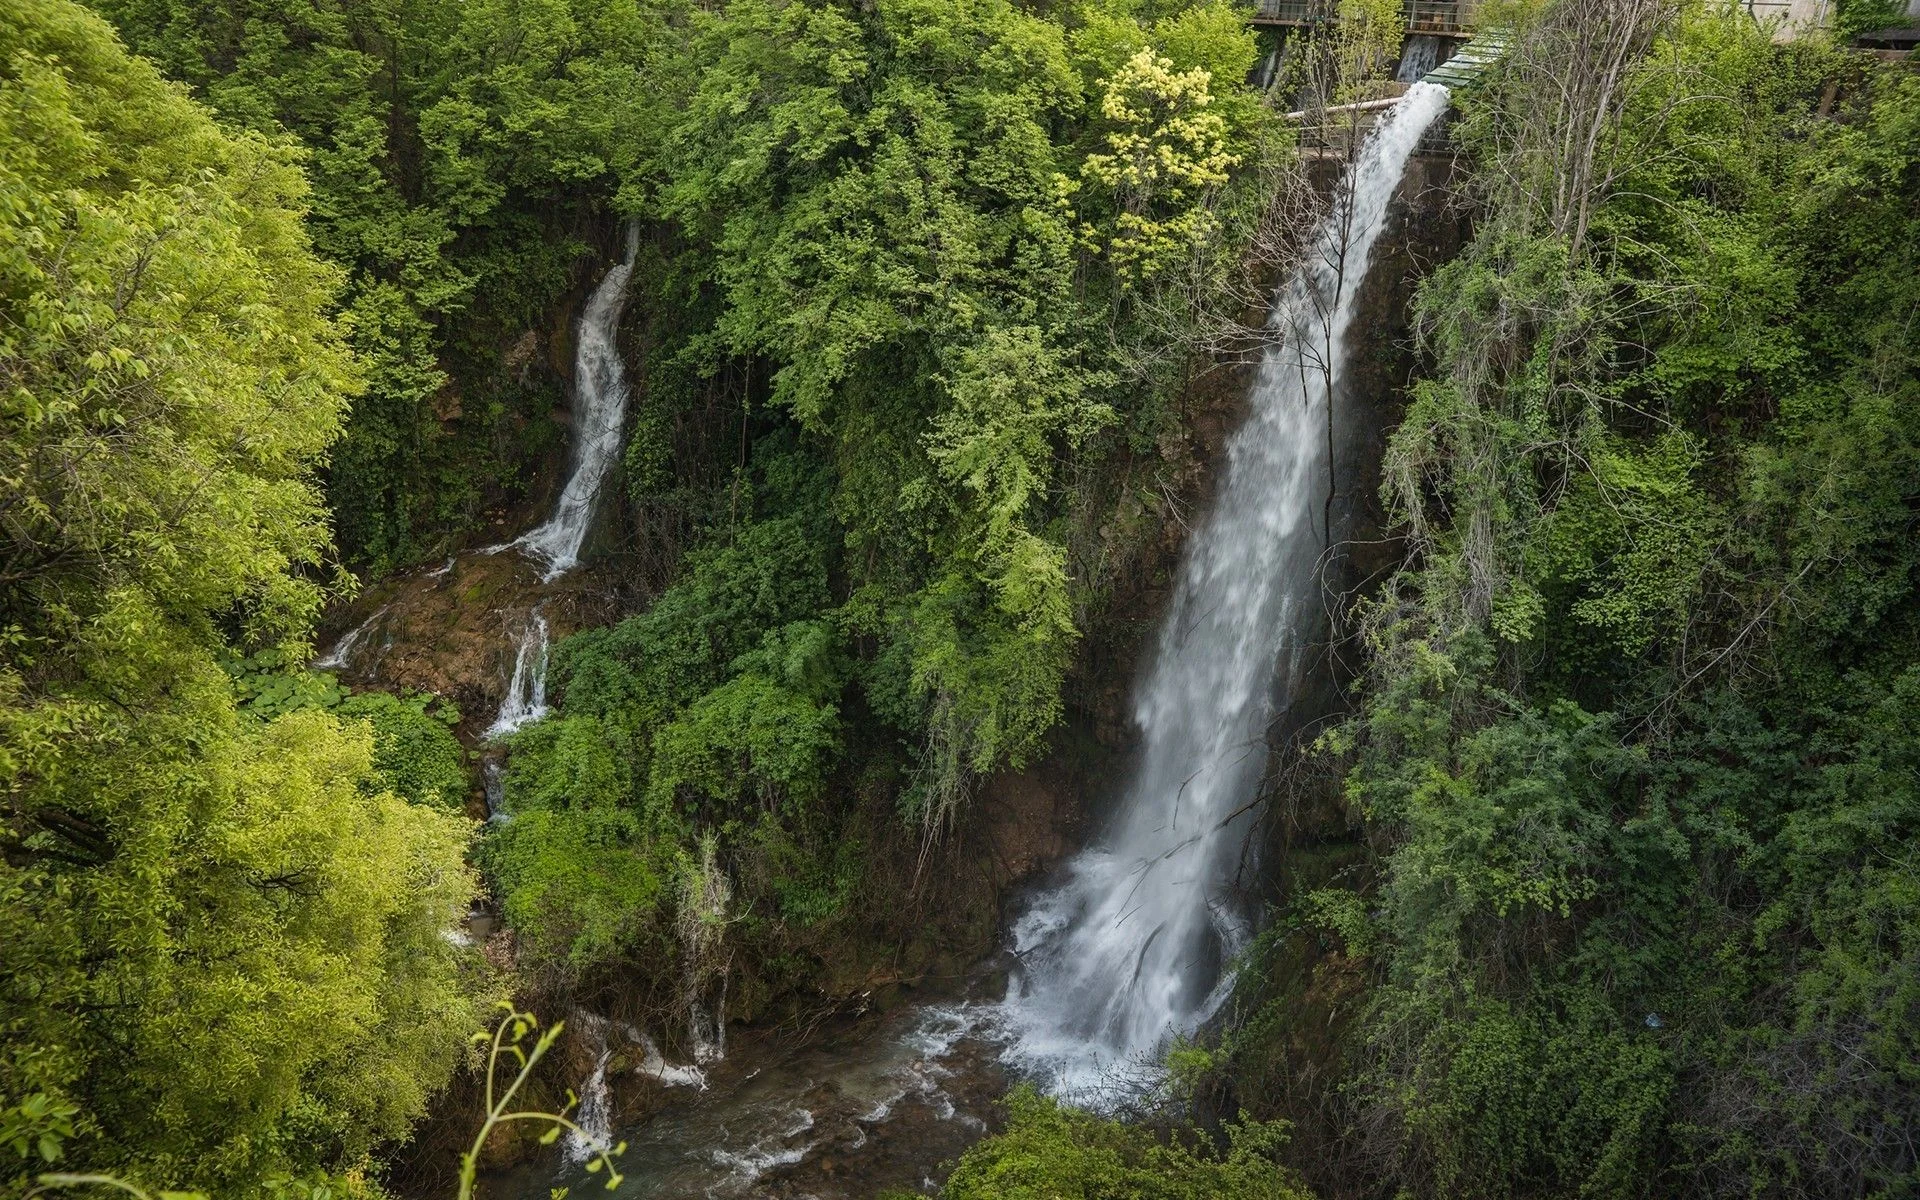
1447 18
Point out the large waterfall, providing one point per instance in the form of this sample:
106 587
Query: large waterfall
599 413
1132 946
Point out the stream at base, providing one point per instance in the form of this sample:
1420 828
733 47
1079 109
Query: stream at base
1134 941
861 1106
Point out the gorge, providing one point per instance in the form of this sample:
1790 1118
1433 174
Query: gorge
1131 947
812 598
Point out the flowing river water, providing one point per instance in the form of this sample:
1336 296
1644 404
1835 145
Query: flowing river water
1131 943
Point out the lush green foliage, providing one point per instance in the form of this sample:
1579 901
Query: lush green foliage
928 222
414 748
924 225
1054 1153
226 953
1638 735
452 149
1636 744
922 217
715 706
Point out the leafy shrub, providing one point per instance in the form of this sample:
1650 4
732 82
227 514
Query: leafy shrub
1050 1152
414 749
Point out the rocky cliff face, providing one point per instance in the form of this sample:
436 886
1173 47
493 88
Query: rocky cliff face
450 629
1308 839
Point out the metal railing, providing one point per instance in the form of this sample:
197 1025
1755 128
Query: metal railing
1423 16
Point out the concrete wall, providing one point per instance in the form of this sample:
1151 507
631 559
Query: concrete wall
1795 16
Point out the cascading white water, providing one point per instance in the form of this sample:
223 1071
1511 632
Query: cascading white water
526 700
341 655
1132 946
1419 56
593 1120
599 412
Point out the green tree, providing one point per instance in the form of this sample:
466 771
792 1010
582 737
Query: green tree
227 943
452 149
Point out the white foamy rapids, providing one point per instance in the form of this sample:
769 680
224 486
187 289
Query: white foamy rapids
342 653
766 1153
919 1070
655 1066
599 413
722 1139
526 700
1133 945
594 1118
906 1067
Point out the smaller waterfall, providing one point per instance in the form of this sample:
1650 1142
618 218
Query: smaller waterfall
1268 70
707 1033
526 700
595 1114
493 785
654 1065
599 412
706 899
341 655
1421 54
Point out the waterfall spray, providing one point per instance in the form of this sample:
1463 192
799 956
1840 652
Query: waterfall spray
1134 943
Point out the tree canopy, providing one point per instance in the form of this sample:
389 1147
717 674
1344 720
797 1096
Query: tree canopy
227 956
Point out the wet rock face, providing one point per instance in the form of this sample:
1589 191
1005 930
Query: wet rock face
1027 820
452 629
1425 228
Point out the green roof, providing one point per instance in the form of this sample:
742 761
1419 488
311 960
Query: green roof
1472 59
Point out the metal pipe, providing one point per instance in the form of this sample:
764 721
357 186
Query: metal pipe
1362 106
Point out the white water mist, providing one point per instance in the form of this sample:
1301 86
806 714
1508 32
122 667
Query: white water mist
1132 946
599 413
